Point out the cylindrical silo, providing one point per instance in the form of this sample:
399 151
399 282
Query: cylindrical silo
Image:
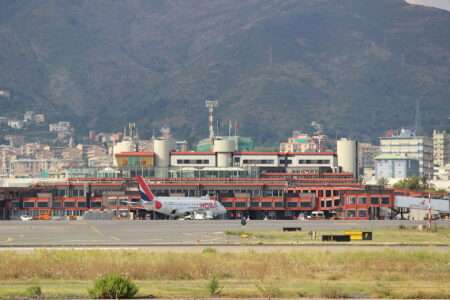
162 148
224 150
162 152
124 146
347 154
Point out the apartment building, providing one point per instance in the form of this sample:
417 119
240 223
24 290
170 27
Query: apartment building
407 144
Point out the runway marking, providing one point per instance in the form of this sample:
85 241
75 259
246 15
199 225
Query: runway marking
95 229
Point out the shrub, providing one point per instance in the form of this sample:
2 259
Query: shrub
113 286
214 288
268 290
332 292
209 250
382 291
33 292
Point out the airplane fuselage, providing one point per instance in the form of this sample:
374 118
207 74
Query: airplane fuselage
182 206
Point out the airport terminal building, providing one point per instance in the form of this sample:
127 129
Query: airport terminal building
274 185
277 196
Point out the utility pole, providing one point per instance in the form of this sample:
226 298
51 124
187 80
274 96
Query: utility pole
429 211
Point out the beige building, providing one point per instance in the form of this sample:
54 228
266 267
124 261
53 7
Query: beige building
407 144
302 142
30 168
441 148
7 154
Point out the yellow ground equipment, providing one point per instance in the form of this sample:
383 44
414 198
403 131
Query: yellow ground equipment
356 235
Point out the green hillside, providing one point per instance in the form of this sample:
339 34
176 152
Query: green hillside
356 66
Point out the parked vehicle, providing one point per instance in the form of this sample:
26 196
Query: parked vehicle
26 218
316 215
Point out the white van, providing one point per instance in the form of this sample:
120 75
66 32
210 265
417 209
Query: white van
317 215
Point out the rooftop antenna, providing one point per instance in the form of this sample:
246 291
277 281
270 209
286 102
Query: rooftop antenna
211 104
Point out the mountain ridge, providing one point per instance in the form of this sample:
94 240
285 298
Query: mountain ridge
358 67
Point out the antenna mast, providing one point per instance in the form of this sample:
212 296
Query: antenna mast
210 105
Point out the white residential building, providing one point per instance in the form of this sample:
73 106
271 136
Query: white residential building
16 124
395 166
415 147
60 127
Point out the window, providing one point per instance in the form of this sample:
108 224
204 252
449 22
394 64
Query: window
227 204
69 204
285 161
258 161
266 204
279 204
16 204
28 204
351 214
362 200
241 204
337 202
96 204
385 200
56 204
305 204
192 161
362 213
82 204
374 200
42 204
254 204
314 161
292 204
351 201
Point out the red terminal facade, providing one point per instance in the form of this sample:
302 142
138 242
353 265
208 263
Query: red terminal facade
273 195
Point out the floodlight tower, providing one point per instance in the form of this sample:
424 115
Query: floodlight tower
210 105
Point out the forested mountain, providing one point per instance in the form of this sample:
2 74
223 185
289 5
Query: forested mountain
356 66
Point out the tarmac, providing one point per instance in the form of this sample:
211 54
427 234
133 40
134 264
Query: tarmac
160 233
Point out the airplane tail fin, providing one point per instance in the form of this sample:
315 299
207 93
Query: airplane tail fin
144 190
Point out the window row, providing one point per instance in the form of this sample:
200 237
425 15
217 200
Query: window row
355 214
258 161
56 204
193 161
268 204
314 161
373 200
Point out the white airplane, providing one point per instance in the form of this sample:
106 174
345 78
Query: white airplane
176 207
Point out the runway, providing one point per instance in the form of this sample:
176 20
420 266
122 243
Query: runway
158 233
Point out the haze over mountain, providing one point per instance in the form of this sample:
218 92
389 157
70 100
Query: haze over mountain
443 4
356 66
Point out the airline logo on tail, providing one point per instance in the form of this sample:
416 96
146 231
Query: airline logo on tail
144 191
146 194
